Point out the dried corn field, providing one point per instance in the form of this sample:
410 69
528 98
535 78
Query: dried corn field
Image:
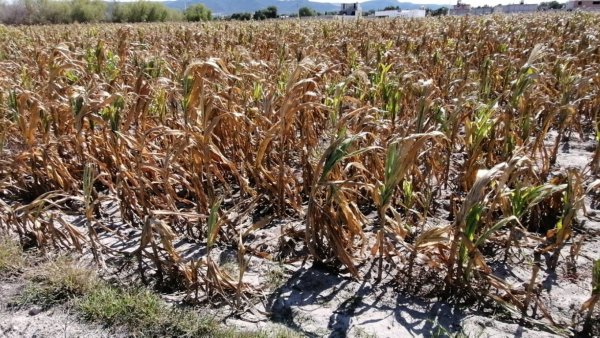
446 158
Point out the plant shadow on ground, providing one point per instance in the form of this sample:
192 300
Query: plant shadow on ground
124 310
350 306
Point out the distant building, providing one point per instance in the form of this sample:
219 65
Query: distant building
460 9
583 5
520 8
411 13
464 9
485 10
352 9
516 8
387 14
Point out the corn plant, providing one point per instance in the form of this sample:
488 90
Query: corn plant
207 136
522 200
401 155
589 305
333 221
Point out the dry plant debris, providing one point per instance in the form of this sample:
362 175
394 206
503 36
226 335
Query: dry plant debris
429 148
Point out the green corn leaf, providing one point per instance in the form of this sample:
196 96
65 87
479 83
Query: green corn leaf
213 223
596 278
500 224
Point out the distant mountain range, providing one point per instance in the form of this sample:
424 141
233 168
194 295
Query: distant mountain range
227 7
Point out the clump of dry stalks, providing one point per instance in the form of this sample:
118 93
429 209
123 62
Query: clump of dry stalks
365 132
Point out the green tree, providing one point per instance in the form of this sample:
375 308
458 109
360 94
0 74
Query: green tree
268 13
88 10
175 15
241 16
198 12
306 11
551 5
271 12
437 12
50 11
119 12
259 15
140 11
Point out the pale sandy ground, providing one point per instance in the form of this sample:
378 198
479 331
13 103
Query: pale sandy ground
26 322
319 303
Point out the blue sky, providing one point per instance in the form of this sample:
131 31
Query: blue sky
452 2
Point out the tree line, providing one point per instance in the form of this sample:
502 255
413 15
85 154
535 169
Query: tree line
262 14
29 12
82 11
271 13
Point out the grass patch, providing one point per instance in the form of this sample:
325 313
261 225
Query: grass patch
230 268
141 312
137 311
275 277
57 282
276 332
11 257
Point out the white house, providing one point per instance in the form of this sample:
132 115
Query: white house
460 9
464 9
485 10
519 8
410 13
352 9
387 14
